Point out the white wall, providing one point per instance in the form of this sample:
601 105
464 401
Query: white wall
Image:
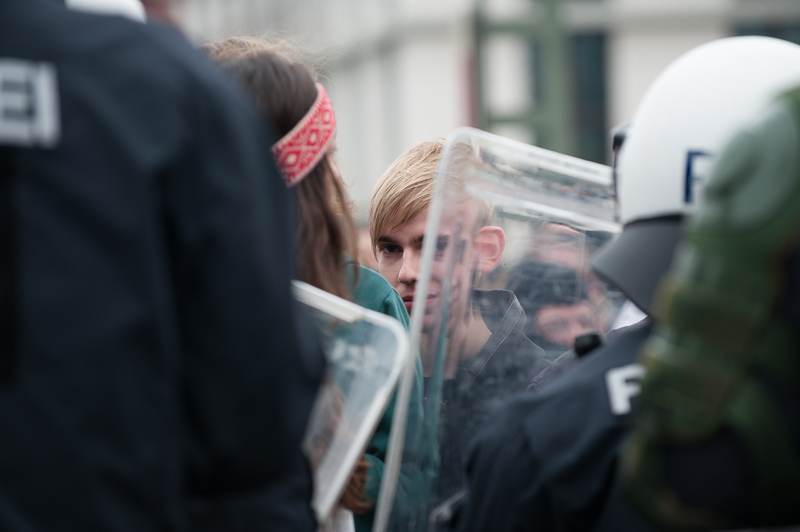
647 35
394 89
399 70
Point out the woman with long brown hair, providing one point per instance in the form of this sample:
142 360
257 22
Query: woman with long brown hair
286 93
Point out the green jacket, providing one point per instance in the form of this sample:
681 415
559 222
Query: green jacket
375 293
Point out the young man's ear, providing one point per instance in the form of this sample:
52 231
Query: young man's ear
489 245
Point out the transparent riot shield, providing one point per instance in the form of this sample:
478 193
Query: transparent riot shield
365 352
504 287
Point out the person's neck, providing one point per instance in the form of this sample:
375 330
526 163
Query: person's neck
477 334
466 342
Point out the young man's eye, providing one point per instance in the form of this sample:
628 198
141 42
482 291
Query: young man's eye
389 249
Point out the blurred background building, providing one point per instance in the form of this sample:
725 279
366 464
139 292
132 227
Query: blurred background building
555 73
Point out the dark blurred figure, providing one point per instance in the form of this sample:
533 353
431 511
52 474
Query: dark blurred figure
556 301
151 376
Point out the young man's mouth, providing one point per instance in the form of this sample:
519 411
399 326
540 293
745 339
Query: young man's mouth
408 301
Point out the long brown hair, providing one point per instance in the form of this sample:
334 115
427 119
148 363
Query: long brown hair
284 91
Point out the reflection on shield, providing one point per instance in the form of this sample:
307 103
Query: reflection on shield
365 353
505 287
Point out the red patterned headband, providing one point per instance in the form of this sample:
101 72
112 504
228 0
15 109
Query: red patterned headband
299 151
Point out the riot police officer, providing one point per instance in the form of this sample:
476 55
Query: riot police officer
152 376
715 441
548 462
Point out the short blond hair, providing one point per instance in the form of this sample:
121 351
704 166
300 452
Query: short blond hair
405 189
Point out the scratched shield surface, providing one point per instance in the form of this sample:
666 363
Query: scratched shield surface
505 287
365 353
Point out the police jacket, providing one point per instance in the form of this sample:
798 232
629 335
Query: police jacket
152 375
565 362
482 384
546 462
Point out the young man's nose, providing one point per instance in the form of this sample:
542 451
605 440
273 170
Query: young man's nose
409 268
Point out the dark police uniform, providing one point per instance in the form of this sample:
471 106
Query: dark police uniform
547 462
482 384
152 377
565 362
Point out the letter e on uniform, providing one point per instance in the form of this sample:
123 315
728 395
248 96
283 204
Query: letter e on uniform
29 110
624 383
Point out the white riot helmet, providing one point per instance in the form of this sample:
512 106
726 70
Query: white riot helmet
686 117
132 9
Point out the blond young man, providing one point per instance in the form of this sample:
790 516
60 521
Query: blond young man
488 356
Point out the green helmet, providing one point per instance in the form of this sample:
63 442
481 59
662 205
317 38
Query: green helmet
723 331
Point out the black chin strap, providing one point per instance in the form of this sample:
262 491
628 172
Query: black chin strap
9 264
